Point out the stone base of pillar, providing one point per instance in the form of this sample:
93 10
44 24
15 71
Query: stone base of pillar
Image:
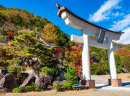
90 83
115 82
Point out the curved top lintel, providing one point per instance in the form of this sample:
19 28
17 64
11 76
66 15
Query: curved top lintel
58 6
61 9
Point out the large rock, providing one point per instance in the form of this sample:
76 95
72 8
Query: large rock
61 82
28 81
59 78
44 81
40 80
32 77
8 82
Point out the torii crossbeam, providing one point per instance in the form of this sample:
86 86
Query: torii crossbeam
86 27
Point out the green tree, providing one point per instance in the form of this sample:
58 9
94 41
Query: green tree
25 45
71 76
4 58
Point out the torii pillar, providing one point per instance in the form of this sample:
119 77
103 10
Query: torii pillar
114 81
86 72
86 27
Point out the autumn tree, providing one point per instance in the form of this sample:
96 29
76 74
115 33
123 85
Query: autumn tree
123 52
50 33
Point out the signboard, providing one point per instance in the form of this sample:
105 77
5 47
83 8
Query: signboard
101 36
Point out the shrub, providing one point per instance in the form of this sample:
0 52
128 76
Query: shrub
57 86
71 77
18 90
14 70
51 69
18 61
3 64
30 87
38 88
95 69
68 84
27 89
102 68
119 69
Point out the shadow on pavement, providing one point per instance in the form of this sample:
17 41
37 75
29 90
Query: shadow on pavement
98 87
126 84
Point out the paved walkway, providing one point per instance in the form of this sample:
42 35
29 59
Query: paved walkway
112 88
104 80
102 83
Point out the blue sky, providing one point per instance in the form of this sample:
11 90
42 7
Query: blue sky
110 14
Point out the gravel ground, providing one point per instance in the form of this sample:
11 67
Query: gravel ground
100 90
87 92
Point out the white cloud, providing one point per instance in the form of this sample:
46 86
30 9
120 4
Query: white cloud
104 11
125 38
115 14
117 7
122 24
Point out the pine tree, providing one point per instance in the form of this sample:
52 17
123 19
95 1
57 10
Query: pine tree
25 45
71 76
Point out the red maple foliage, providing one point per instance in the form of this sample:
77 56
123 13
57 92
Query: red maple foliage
8 33
57 50
11 35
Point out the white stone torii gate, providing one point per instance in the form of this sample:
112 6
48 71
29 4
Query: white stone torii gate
86 27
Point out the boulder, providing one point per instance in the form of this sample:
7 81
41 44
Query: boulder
40 80
8 82
31 77
59 78
61 82
28 81
50 78
44 81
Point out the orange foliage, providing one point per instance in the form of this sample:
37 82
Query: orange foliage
76 52
50 33
123 52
